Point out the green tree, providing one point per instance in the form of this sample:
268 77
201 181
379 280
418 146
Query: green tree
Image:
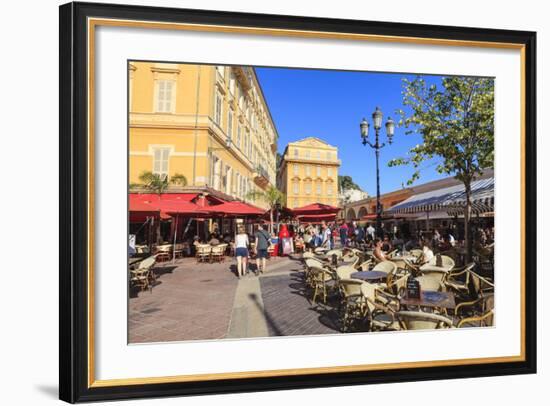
456 122
158 184
346 182
271 196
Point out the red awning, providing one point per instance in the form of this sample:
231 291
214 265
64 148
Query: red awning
154 197
174 207
235 208
315 218
165 205
140 211
315 208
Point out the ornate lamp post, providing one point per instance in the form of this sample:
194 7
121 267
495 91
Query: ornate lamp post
390 128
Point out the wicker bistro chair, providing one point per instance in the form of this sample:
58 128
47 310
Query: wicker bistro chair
380 308
203 253
144 277
390 269
366 265
353 304
422 321
446 261
319 282
163 253
344 272
311 263
178 251
467 284
431 281
483 312
386 266
217 253
397 284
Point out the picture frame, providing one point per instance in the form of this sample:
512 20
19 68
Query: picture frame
78 22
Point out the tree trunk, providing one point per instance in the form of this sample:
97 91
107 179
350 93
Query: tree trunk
467 218
270 221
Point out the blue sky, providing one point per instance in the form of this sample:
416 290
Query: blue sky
330 105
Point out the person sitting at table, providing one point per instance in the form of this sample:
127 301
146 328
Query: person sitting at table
214 239
386 244
446 244
379 253
427 253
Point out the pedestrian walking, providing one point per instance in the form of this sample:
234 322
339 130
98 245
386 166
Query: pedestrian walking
263 241
241 251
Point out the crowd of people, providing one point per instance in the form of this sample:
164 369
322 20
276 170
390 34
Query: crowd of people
350 234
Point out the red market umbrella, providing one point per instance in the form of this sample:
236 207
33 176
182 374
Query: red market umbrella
315 218
235 209
172 207
139 210
315 208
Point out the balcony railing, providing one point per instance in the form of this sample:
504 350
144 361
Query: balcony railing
261 176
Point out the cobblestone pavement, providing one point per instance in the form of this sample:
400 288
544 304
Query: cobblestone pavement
288 309
191 301
207 301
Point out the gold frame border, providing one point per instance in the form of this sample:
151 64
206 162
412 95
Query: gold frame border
94 22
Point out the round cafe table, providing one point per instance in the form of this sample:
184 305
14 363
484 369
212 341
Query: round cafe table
369 275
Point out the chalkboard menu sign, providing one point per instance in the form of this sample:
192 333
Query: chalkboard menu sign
413 288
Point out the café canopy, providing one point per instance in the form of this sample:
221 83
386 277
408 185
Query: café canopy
451 199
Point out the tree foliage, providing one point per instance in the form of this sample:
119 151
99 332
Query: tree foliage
346 182
272 196
158 183
456 123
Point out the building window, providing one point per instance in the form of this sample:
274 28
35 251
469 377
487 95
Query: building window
239 129
308 170
318 188
227 179
165 96
329 156
218 109
232 84
216 172
318 170
329 171
318 155
295 188
329 190
308 188
296 169
160 161
308 153
296 153
229 125
295 203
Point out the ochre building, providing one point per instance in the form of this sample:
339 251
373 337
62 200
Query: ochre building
208 123
308 173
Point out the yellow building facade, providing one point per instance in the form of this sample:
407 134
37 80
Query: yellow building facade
308 173
208 123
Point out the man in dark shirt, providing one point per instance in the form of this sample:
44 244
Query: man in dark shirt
263 240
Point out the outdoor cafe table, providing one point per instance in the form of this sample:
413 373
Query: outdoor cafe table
432 299
369 275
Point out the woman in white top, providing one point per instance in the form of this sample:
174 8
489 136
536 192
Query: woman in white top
241 251
428 254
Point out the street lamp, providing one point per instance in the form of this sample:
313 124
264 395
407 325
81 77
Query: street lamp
390 128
